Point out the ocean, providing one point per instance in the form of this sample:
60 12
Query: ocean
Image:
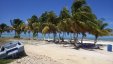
66 36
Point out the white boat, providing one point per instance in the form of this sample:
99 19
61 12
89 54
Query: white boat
11 49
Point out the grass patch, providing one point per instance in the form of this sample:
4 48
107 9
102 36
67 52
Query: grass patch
5 61
3 41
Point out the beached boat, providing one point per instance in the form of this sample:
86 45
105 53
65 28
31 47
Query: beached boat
11 50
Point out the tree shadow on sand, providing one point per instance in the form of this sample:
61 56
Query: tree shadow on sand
88 46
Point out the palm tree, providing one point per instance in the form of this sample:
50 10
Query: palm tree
63 18
64 14
36 27
2 28
26 29
86 21
43 17
44 31
101 30
76 17
48 28
33 25
52 22
43 20
76 5
18 26
48 22
51 17
83 18
61 27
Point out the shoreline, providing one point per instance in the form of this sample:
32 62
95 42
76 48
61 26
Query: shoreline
84 41
50 39
26 36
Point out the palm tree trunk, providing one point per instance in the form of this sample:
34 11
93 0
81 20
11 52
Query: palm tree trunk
43 36
54 36
37 35
62 38
76 38
48 36
0 34
18 35
15 34
74 35
83 35
71 36
63 34
82 38
59 36
95 41
33 35
29 35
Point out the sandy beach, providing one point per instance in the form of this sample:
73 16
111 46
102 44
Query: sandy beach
43 52
56 32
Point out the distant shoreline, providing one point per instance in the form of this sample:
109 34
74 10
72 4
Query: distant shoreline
26 36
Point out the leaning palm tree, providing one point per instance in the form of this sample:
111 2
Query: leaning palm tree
43 21
27 30
82 17
36 27
18 26
51 20
49 28
61 28
49 23
44 31
33 25
101 30
76 17
63 18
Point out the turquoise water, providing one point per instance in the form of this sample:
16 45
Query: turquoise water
66 36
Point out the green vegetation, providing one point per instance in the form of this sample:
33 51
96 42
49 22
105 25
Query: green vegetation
33 25
5 61
4 28
18 27
80 20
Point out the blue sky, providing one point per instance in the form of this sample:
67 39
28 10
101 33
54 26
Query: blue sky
24 9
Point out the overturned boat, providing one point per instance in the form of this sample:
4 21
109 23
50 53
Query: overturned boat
12 50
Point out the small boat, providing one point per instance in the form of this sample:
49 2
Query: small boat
12 50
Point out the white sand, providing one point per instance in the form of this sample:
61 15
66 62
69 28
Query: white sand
57 54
